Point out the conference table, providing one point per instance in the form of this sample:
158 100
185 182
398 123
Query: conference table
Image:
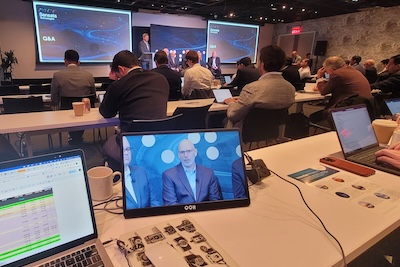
277 229
47 122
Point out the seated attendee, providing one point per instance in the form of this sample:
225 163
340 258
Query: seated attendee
344 81
173 77
138 190
72 81
201 61
271 91
135 94
246 73
214 64
383 74
392 83
310 60
173 63
195 77
390 156
296 59
370 71
189 182
355 63
304 70
347 62
291 74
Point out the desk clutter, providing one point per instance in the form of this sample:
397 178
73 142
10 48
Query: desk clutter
184 235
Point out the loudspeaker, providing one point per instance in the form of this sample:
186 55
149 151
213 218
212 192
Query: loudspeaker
320 48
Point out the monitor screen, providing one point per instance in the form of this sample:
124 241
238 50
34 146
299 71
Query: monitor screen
182 171
232 41
97 34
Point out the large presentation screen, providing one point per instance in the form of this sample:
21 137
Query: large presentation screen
96 33
232 41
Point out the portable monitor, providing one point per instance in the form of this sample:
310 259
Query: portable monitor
182 171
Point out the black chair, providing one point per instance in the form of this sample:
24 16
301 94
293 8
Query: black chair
264 125
39 89
66 101
201 94
192 117
7 151
169 123
23 105
9 90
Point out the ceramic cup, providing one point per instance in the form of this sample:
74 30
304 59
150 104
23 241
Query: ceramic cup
101 182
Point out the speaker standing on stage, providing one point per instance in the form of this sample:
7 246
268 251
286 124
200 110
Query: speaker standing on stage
144 47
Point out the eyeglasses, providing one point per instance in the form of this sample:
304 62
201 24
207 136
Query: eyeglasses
127 149
183 152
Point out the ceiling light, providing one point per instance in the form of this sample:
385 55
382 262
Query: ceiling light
283 7
316 12
303 10
272 4
274 8
266 18
261 18
231 15
291 8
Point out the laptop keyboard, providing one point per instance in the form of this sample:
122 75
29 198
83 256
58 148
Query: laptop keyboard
85 257
367 156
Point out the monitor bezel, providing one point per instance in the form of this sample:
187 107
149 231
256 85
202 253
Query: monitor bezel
188 208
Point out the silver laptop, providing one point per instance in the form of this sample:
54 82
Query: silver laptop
221 94
46 213
393 105
357 137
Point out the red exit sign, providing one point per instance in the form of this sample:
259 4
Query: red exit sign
296 30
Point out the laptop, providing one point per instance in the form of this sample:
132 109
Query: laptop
357 137
46 212
393 105
221 94
155 181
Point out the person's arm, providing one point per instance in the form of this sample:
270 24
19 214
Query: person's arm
215 189
168 191
237 110
109 107
92 86
55 90
390 84
186 89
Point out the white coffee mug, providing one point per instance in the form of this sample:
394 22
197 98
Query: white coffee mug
101 182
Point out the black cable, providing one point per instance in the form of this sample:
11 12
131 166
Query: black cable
107 202
319 219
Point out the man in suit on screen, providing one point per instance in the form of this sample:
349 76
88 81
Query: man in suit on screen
189 182
138 189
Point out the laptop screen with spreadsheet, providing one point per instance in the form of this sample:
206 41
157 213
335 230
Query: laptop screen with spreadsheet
40 201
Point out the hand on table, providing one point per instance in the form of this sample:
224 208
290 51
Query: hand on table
230 100
390 156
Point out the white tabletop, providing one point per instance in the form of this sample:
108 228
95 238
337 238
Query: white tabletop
277 229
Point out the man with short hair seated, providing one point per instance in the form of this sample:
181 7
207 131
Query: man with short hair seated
195 77
392 83
246 73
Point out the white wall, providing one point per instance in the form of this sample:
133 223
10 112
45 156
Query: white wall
17 33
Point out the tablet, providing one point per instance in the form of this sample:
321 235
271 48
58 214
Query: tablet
221 94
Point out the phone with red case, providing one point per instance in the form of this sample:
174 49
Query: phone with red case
348 166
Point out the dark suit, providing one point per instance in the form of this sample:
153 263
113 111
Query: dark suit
144 58
173 63
177 190
142 188
244 76
140 95
371 74
291 74
174 81
238 179
215 72
390 85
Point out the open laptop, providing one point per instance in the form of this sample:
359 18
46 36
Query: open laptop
159 159
357 137
221 94
46 213
393 105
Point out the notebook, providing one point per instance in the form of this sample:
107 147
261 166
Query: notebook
393 105
155 180
221 94
46 212
357 137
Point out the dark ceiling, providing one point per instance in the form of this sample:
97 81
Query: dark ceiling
249 11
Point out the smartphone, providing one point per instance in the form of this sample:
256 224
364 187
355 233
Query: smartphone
348 166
